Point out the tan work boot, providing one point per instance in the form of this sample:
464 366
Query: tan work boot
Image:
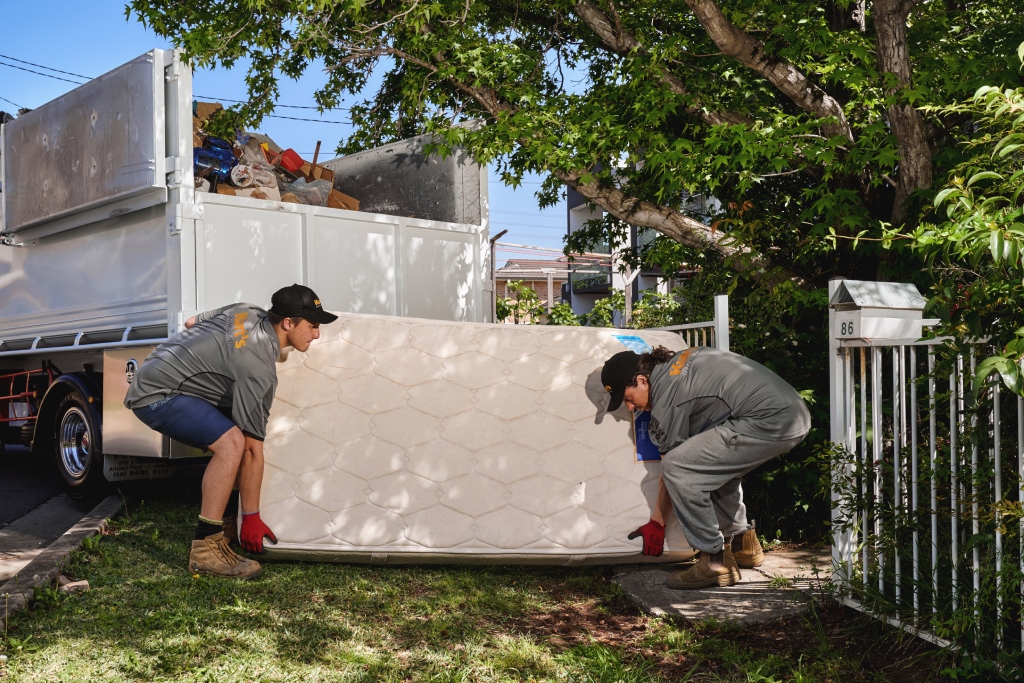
213 556
703 575
230 527
752 554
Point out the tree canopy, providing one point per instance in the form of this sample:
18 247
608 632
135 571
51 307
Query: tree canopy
807 120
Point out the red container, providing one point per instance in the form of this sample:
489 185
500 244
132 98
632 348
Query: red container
290 161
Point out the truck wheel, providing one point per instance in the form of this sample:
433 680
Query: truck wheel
77 452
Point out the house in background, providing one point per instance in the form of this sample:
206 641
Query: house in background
590 281
546 278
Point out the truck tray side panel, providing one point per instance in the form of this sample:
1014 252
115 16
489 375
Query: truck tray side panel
102 276
100 143
357 262
404 440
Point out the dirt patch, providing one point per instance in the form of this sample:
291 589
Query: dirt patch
868 649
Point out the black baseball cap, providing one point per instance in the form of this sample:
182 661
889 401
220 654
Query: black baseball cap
616 375
298 301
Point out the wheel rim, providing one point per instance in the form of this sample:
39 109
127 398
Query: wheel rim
75 442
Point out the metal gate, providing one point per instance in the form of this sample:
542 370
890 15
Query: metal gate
927 488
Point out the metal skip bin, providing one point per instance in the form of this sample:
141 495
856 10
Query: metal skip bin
95 152
405 440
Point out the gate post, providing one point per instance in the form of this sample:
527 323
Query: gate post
842 541
722 321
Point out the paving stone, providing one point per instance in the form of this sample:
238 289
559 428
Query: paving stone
782 587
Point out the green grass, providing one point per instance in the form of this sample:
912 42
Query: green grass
147 619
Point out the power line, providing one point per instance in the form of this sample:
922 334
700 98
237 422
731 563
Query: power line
528 213
39 73
529 225
48 68
88 78
10 102
283 106
295 118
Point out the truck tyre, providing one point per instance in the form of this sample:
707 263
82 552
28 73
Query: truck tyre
76 447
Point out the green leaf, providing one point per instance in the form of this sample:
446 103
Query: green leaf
984 175
1009 372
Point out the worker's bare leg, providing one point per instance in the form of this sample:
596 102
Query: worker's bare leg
221 473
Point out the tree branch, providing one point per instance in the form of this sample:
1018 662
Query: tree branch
679 227
622 42
787 78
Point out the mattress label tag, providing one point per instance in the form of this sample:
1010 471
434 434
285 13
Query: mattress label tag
633 343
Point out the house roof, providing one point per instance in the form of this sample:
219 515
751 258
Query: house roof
534 266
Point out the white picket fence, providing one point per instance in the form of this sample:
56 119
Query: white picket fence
927 530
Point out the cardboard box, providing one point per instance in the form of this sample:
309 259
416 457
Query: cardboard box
321 173
204 110
340 200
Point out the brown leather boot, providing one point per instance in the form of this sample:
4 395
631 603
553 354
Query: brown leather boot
212 556
703 575
230 526
752 554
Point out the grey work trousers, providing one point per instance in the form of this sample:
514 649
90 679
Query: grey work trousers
702 476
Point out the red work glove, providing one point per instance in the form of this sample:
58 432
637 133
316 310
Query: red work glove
653 533
253 531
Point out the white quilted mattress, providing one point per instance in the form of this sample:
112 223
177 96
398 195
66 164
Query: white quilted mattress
398 440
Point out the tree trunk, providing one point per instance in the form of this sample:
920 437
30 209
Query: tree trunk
907 124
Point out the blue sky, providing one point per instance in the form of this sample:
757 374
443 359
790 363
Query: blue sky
90 38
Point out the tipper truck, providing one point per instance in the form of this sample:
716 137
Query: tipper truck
106 248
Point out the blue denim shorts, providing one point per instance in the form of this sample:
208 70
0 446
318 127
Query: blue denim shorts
186 419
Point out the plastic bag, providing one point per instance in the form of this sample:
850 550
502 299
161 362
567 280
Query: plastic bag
315 193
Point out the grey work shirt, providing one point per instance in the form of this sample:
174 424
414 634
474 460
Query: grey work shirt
227 358
717 387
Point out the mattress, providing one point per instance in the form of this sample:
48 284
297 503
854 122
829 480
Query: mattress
399 440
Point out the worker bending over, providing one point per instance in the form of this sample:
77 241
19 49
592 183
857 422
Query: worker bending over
715 416
212 387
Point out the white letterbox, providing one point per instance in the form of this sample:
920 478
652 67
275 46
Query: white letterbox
878 310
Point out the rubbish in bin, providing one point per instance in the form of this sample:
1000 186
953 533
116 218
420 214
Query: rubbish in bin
312 166
242 176
340 200
208 164
290 161
315 193
269 193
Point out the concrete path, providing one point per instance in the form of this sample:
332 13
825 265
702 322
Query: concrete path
25 538
779 588
26 482
34 547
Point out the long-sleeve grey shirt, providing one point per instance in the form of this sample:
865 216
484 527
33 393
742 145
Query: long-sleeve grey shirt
227 358
717 387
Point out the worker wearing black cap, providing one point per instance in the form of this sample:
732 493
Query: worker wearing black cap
715 416
212 387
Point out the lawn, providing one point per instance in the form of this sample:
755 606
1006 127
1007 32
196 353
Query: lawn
147 619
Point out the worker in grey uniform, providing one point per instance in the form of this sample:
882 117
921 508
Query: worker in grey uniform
715 416
212 387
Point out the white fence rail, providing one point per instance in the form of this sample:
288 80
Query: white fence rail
711 333
928 490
